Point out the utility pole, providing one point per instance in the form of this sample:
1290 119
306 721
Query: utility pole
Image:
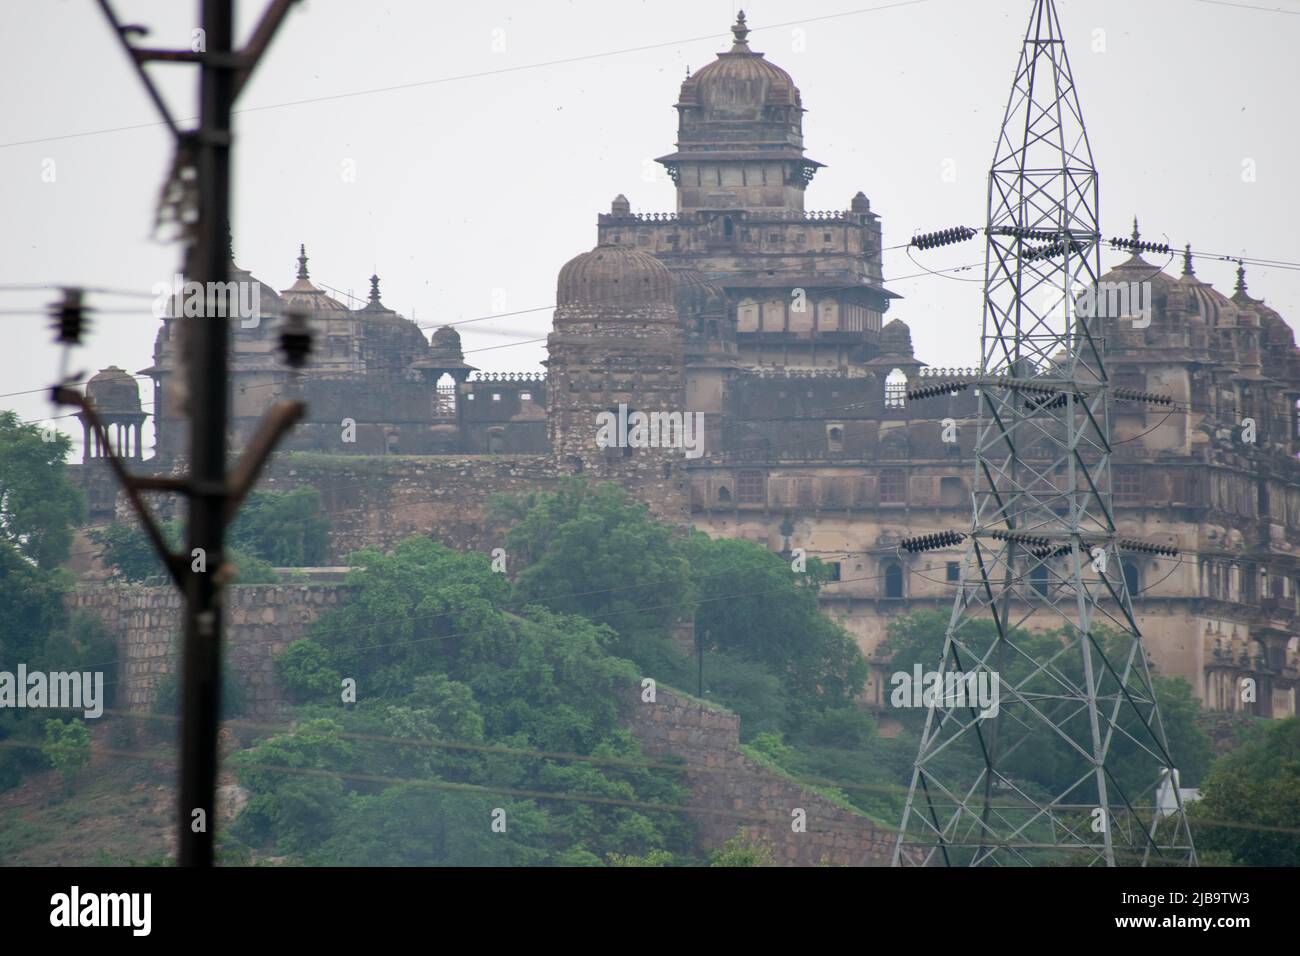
208 349
214 494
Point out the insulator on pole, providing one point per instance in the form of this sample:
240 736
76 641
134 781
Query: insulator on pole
941 388
1016 537
69 317
932 542
1142 547
295 339
1051 400
944 237
1137 245
1136 395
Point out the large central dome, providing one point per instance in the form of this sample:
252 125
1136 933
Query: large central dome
740 82
739 136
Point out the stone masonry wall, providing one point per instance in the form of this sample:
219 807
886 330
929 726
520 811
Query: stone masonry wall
260 621
737 794
379 501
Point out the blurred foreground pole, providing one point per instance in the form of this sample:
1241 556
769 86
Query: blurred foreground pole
201 660
214 494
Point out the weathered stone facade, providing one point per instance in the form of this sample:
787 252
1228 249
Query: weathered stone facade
734 794
260 621
767 320
617 350
377 502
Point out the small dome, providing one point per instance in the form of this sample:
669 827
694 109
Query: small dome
614 276
446 344
740 81
695 295
896 338
113 391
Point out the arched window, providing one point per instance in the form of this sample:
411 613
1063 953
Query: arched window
893 579
724 494
895 389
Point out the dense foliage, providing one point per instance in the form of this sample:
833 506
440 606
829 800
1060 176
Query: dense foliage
273 529
469 711
480 699
39 507
1249 812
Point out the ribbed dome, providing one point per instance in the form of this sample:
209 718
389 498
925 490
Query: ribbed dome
113 391
614 276
1210 303
740 81
695 295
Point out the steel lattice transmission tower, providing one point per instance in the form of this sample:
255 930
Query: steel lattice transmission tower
1075 699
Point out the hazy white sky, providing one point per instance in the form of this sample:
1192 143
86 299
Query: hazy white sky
520 121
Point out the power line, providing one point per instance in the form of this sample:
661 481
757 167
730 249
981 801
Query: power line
468 76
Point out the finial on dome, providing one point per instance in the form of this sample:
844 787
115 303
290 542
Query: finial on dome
740 31
1187 261
1241 277
1137 236
302 261
374 290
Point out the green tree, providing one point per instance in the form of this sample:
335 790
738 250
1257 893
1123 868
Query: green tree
297 793
67 748
462 694
595 552
285 529
39 505
759 609
740 852
127 550
1250 800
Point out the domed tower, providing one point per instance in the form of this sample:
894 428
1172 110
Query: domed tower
1156 339
740 135
336 344
805 288
116 399
617 350
255 365
392 346
446 358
